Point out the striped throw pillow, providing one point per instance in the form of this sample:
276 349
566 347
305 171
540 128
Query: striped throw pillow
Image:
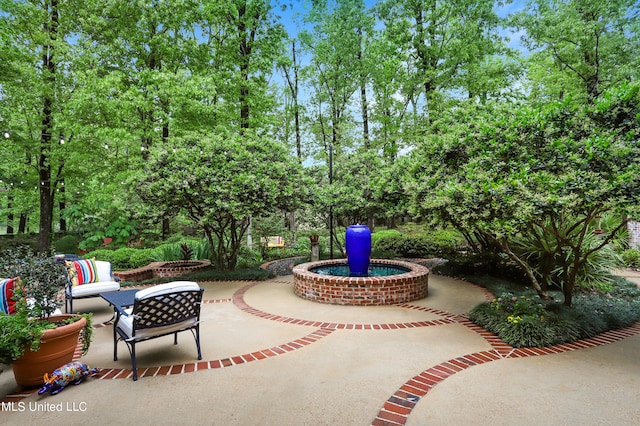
82 271
7 304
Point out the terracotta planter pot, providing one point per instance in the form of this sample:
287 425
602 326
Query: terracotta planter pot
57 347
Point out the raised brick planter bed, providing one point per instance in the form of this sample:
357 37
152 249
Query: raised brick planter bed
361 291
163 270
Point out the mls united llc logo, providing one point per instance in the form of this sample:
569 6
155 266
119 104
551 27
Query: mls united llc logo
22 406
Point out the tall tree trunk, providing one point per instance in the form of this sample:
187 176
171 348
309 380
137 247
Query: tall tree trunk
44 164
245 50
363 96
9 214
22 223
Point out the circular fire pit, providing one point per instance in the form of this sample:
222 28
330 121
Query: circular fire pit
178 268
361 291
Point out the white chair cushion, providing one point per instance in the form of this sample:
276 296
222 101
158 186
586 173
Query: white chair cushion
174 286
94 288
103 270
126 324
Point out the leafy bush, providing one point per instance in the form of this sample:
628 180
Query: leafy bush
378 235
142 257
201 249
168 252
248 258
631 258
67 244
121 258
521 322
517 307
403 246
101 254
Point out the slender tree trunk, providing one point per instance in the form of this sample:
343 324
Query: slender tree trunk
363 95
9 214
22 224
44 164
504 246
61 207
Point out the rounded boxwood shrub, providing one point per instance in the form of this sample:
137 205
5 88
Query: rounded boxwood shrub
122 258
398 245
142 257
101 254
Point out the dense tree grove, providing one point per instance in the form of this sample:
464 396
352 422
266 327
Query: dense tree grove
509 120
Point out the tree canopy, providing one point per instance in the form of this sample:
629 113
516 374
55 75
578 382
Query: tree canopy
504 137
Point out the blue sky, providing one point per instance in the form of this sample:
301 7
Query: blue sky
292 16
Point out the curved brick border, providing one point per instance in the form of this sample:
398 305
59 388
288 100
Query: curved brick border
125 373
399 406
238 300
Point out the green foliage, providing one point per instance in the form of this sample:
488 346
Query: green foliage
120 231
403 246
43 279
201 249
522 322
141 257
593 273
167 252
499 174
42 283
67 244
239 274
101 254
393 243
19 332
121 258
230 179
382 234
173 249
517 308
631 258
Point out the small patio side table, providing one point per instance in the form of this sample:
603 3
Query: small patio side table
119 300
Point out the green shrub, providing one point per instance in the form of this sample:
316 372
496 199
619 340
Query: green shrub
248 258
517 307
18 241
520 321
168 252
402 246
142 257
121 258
101 254
67 244
378 235
201 249
631 258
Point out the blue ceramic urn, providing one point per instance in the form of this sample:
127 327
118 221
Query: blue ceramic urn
358 246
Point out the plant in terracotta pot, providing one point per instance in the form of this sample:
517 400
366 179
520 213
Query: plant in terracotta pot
29 331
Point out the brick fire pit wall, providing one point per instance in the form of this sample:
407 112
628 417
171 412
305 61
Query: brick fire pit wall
361 291
163 270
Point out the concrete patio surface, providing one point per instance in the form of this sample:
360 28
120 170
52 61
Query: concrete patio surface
271 358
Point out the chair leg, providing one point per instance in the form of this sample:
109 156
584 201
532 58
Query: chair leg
133 361
175 338
198 342
115 344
